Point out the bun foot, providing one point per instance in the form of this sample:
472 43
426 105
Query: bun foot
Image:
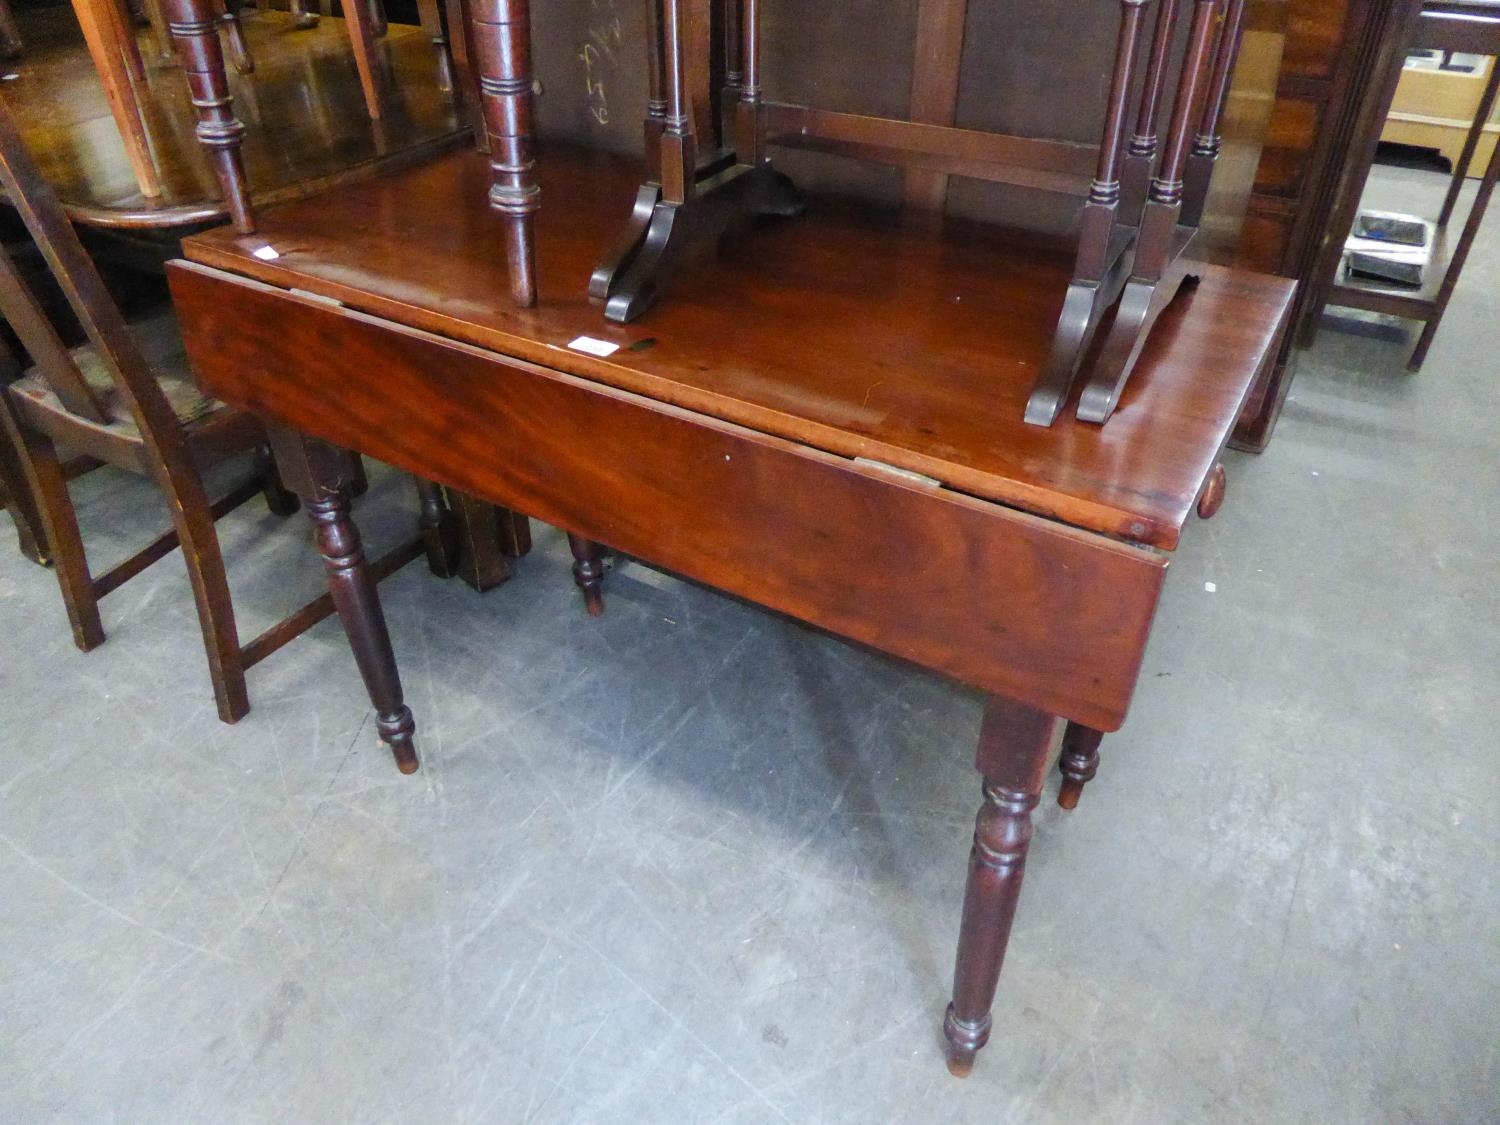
964 1041
588 572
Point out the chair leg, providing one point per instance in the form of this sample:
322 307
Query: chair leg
304 18
18 499
205 565
588 572
44 471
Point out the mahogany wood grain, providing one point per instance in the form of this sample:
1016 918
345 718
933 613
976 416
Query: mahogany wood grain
842 350
1007 601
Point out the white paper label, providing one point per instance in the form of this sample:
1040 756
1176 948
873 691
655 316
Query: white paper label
265 253
592 346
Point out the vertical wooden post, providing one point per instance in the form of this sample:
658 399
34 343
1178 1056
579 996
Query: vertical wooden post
679 144
321 476
98 23
748 142
1079 762
1140 156
1012 756
502 38
196 36
1207 143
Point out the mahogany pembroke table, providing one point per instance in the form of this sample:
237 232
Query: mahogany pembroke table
829 422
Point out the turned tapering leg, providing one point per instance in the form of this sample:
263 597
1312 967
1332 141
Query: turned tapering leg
321 474
1079 762
588 572
1012 756
195 35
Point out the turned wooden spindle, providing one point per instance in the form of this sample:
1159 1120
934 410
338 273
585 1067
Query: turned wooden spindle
1145 140
1166 187
748 139
588 572
1012 755
195 33
1208 142
1079 762
679 143
1098 269
358 604
502 40
656 97
734 69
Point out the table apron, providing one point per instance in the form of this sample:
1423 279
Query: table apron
1000 599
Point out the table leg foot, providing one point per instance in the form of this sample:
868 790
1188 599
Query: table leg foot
588 572
1079 762
1012 756
358 605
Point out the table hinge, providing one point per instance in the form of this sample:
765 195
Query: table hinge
900 474
319 297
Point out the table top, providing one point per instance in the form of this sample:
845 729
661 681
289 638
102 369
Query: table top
302 105
847 330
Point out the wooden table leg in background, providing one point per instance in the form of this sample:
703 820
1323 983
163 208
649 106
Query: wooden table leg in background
1079 762
321 474
1014 746
486 536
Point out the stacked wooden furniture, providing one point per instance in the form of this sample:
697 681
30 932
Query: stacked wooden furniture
1468 26
770 431
1142 204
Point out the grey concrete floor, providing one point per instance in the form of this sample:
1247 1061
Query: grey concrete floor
691 863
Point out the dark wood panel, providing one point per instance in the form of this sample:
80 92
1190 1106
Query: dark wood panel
840 329
996 598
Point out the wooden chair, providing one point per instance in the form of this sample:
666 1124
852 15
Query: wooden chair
500 30
128 399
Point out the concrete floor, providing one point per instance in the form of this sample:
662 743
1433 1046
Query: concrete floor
691 863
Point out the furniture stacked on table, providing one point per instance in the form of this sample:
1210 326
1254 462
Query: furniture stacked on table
401 84
1468 26
1142 206
829 422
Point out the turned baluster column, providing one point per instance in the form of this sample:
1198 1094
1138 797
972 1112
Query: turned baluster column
1104 193
1079 762
1013 749
1207 143
322 476
748 142
195 33
502 40
1166 187
656 98
679 145
1141 153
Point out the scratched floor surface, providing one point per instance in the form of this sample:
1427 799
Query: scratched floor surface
691 863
